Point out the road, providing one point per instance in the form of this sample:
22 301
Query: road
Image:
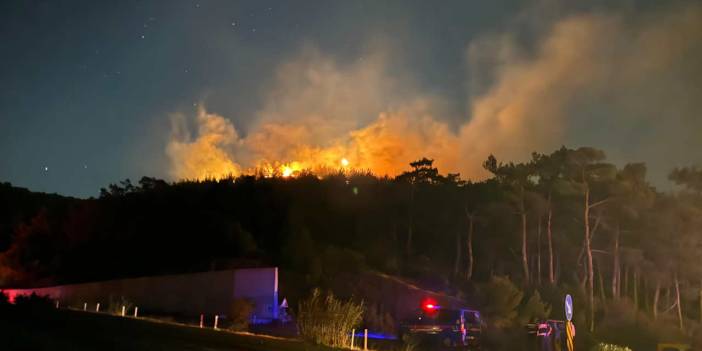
75 330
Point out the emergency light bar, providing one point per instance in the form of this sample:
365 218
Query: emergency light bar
429 305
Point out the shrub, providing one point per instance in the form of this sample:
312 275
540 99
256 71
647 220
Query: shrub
33 302
4 299
411 342
240 314
610 347
328 320
534 308
501 298
115 305
623 324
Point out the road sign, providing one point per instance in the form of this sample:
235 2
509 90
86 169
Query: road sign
570 329
569 307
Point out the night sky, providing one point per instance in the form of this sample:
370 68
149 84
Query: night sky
90 90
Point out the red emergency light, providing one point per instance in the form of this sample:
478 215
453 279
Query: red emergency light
430 305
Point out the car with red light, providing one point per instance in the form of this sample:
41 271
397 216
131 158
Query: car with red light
450 327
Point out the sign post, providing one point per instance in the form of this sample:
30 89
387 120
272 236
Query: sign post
570 329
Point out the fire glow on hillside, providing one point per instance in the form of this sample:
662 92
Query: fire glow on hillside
384 147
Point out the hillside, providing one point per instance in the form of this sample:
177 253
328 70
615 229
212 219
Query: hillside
518 234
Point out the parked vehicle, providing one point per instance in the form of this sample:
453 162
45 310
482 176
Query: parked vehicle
450 327
549 335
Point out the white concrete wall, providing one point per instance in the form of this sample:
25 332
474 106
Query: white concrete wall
191 294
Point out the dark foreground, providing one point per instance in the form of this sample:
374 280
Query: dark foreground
72 330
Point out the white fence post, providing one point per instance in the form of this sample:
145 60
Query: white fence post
97 308
353 334
57 304
123 310
216 321
85 306
136 312
365 339
202 320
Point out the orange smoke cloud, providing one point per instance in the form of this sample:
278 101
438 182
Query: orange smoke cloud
320 117
323 116
208 156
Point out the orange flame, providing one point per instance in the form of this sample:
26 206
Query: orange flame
384 147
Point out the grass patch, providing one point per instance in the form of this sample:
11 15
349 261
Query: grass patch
73 330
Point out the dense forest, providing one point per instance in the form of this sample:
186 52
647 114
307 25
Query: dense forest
568 221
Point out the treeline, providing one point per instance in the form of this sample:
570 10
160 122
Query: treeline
565 221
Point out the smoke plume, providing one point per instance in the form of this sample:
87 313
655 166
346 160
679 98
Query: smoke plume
593 78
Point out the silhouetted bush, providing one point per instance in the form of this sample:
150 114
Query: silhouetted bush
240 314
327 320
622 324
115 305
610 347
500 299
533 308
34 302
4 299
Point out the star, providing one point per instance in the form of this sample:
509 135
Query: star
46 169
